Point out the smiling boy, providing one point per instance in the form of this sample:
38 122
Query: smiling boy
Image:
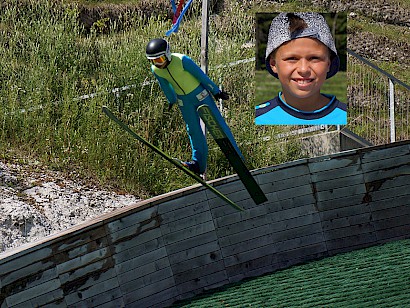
301 53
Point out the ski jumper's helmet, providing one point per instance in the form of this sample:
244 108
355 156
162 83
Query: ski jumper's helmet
158 47
316 27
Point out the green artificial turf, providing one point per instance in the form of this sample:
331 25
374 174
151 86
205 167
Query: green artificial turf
378 276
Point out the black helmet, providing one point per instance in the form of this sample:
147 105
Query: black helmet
158 47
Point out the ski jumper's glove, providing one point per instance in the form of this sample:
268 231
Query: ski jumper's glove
222 95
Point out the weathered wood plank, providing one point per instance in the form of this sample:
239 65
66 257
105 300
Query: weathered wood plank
385 196
239 271
329 163
294 192
393 233
196 286
31 293
147 281
338 182
220 208
387 163
336 173
285 184
302 254
159 300
391 213
55 298
186 222
294 202
122 229
94 234
135 218
284 172
197 262
87 276
83 260
128 241
340 193
346 221
138 250
392 223
24 260
190 205
265 239
113 300
297 232
189 253
397 201
149 292
389 188
96 293
303 241
348 214
387 173
241 217
377 154
194 274
348 243
245 235
193 211
346 202
365 228
193 231
272 224
38 272
143 270
250 255
191 242
354 243
140 260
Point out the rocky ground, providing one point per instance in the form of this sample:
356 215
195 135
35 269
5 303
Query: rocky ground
36 202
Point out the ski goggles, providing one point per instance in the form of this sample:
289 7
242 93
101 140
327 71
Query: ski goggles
159 61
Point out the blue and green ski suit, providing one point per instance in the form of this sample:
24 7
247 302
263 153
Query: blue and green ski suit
183 82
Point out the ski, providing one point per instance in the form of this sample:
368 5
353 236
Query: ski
170 159
231 154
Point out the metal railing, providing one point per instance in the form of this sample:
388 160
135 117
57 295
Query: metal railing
378 103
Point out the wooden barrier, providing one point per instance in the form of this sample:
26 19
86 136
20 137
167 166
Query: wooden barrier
175 246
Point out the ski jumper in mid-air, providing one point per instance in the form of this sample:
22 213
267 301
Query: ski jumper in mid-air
184 83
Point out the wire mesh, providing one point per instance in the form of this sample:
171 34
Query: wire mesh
368 104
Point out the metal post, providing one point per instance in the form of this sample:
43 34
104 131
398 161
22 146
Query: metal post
391 112
204 45
204 36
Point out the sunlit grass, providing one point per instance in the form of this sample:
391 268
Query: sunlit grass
47 62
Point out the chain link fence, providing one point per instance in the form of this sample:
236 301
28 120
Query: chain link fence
378 103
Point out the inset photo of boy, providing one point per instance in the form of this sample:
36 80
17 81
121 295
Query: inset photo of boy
301 55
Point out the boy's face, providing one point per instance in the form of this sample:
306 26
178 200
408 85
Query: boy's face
301 65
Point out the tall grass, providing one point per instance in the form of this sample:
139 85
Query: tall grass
47 62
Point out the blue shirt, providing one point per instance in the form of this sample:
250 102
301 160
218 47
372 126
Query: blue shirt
278 112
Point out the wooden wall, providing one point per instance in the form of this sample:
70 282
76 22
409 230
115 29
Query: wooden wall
177 245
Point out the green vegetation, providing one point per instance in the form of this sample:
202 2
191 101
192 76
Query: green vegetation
47 61
399 35
372 277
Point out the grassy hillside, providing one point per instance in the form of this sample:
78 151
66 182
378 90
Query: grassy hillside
48 61
53 51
